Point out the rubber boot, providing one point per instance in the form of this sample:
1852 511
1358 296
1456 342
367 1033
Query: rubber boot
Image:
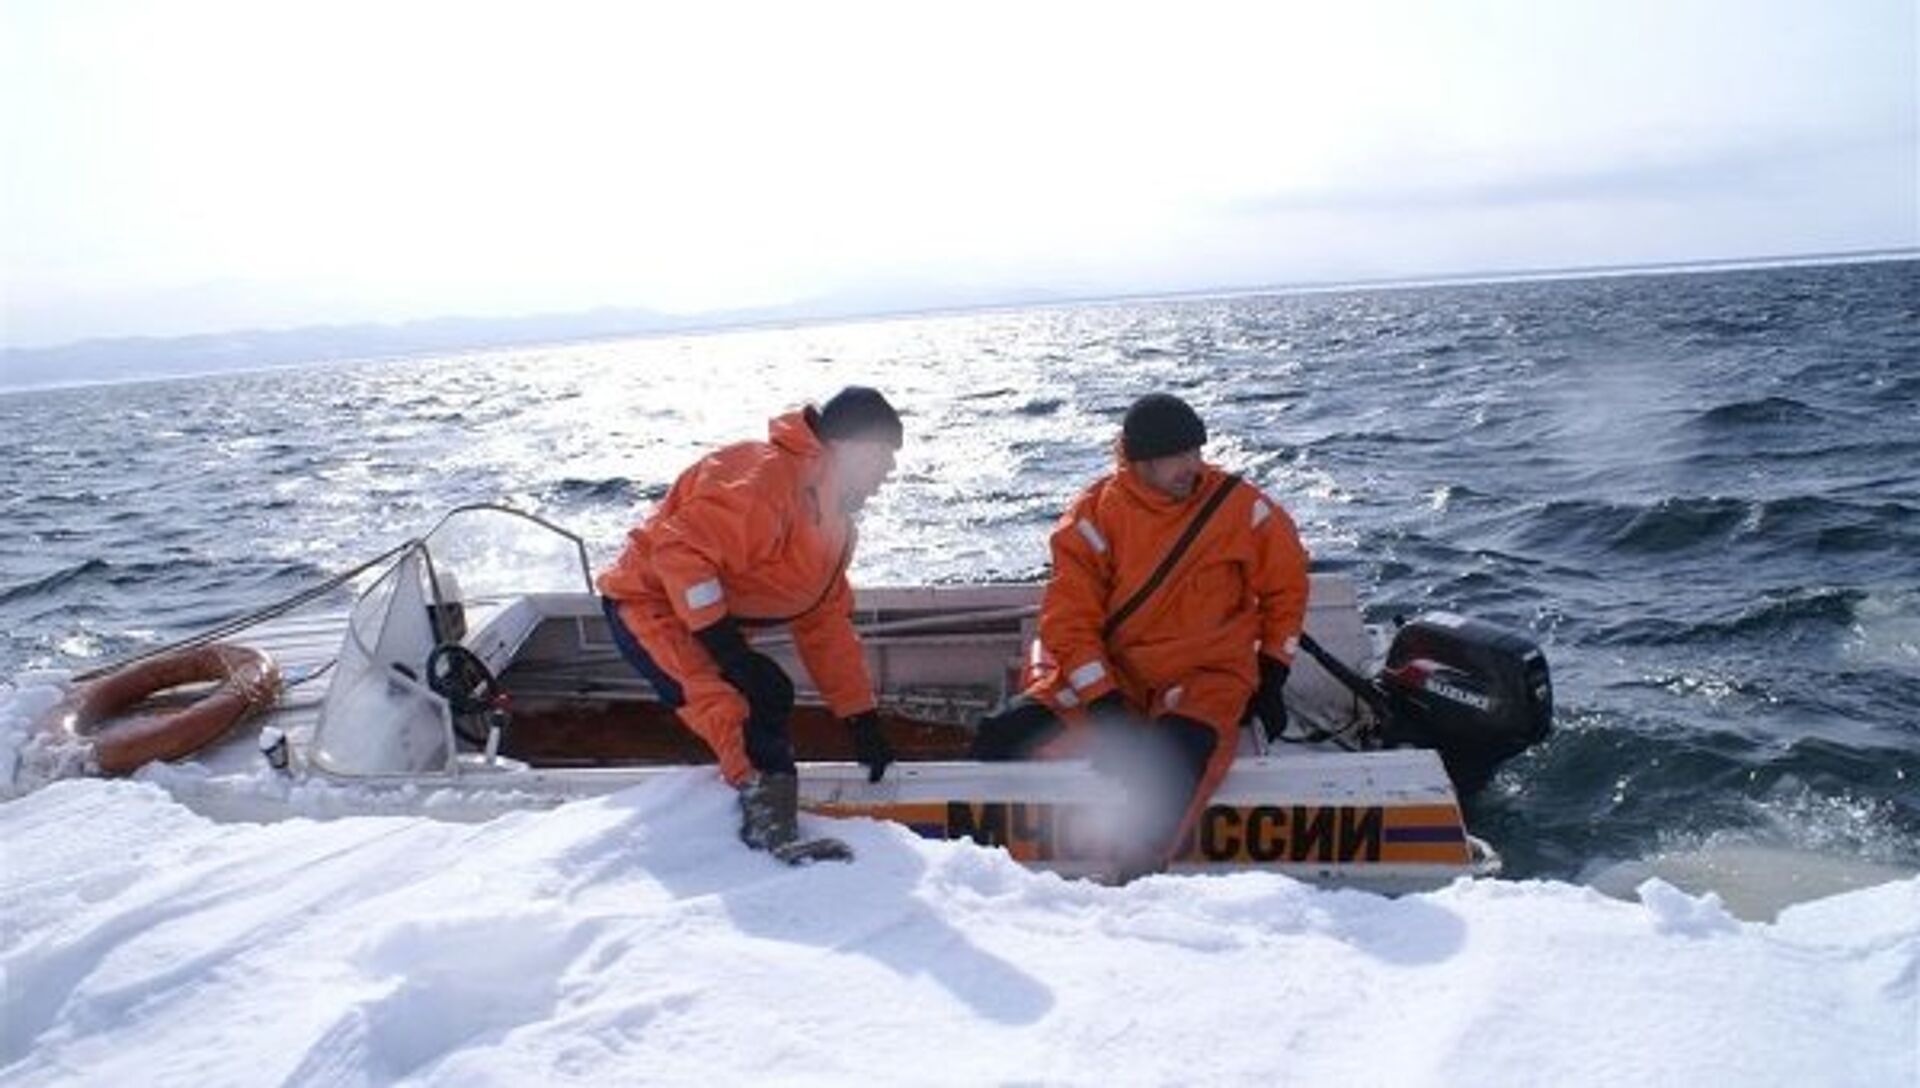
770 811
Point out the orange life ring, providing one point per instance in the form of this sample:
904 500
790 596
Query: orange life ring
248 681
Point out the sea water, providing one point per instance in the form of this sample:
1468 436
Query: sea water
1699 492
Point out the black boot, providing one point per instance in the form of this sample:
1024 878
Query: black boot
770 821
770 811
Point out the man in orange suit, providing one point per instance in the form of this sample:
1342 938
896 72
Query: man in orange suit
757 534
1174 610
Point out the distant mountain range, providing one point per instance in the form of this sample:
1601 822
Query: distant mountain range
134 358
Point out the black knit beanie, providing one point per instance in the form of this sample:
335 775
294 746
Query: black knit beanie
859 412
1159 425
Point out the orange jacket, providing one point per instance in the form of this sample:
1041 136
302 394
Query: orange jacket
1242 582
756 531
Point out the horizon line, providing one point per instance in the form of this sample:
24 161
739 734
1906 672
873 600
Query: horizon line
778 321
1383 282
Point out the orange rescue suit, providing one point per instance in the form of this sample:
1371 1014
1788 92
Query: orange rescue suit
1190 648
754 531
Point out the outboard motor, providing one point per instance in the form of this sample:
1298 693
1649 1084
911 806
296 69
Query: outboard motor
1476 693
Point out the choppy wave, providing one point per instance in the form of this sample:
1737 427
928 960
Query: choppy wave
613 489
1799 526
1763 412
51 584
1781 615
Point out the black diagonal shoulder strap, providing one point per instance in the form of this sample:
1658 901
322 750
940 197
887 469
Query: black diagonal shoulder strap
1180 546
812 496
840 568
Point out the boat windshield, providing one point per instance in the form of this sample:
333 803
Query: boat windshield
484 554
380 716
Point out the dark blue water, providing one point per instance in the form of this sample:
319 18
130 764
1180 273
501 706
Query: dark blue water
1700 492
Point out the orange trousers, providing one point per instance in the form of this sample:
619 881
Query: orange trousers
714 709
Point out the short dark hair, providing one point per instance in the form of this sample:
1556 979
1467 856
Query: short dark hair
859 411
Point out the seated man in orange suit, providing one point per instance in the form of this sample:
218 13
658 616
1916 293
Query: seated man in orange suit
1175 608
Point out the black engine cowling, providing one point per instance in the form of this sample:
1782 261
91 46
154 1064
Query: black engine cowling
1477 693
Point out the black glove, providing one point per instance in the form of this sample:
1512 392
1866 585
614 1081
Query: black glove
870 745
769 693
1267 703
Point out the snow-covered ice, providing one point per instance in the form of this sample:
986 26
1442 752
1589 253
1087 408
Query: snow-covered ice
630 939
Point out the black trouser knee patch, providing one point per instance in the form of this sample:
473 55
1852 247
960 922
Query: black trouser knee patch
1186 746
769 737
1195 741
769 744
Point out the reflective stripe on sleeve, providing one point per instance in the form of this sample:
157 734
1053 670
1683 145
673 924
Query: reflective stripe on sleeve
1261 509
705 594
1087 675
1098 542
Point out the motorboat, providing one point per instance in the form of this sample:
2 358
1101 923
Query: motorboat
474 670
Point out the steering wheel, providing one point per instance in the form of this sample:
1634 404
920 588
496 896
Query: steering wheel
470 688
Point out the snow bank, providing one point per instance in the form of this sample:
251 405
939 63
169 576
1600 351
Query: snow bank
630 939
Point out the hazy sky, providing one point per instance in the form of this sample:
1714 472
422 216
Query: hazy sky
182 166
